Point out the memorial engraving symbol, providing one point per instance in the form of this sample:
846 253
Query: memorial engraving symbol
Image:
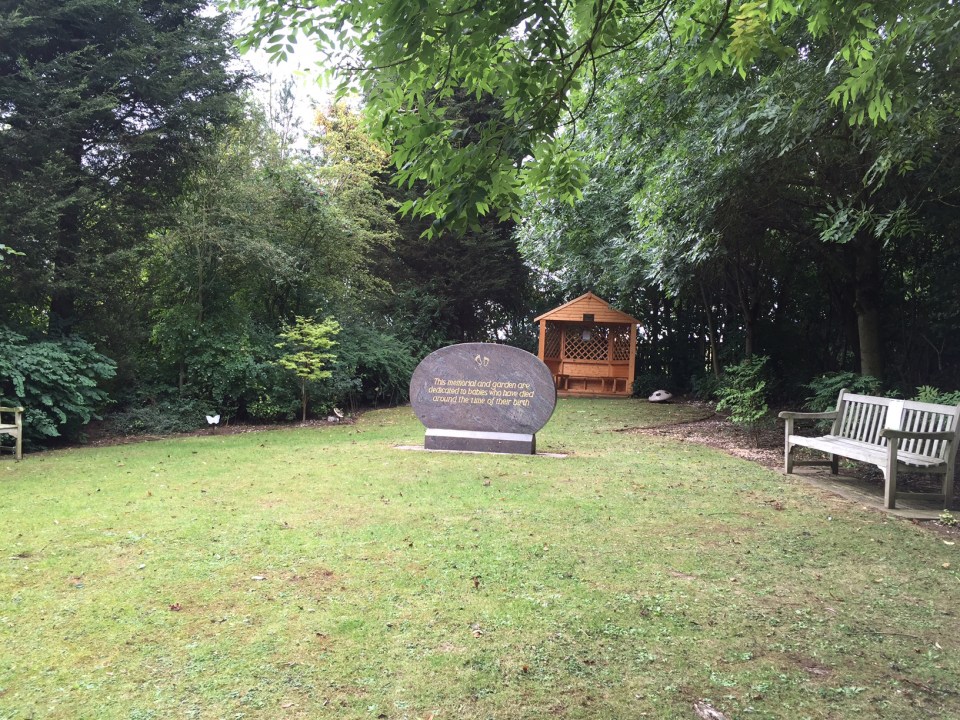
482 397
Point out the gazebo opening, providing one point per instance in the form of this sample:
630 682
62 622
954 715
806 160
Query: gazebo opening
589 347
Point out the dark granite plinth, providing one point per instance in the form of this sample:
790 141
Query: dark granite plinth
482 397
475 441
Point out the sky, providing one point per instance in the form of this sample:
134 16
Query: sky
304 68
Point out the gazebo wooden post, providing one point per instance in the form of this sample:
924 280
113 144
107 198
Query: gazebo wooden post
633 355
542 349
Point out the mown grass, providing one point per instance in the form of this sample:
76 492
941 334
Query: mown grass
324 573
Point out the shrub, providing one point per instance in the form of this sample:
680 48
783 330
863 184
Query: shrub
55 380
743 392
273 396
705 388
163 417
827 387
929 394
372 367
645 384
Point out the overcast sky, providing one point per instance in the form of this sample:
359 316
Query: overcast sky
303 67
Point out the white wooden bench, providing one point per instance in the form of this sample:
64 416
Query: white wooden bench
15 428
894 435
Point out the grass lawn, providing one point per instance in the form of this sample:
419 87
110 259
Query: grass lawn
323 573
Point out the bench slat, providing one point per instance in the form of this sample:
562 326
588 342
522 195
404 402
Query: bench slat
855 450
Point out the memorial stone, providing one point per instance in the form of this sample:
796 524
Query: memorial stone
482 397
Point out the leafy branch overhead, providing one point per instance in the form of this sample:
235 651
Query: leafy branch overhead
534 64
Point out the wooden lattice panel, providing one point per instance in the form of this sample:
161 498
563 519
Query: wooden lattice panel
551 343
576 348
621 344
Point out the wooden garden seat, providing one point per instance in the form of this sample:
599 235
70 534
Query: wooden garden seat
894 435
15 428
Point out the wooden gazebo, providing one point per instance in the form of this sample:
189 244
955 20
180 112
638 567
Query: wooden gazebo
589 347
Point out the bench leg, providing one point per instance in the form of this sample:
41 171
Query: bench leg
834 464
19 455
787 458
890 477
948 488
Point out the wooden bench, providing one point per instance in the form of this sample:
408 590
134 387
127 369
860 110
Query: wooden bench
894 435
15 429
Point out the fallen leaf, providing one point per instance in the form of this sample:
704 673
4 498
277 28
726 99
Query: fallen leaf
946 565
476 582
258 577
176 607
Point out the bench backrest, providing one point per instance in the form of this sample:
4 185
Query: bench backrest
862 417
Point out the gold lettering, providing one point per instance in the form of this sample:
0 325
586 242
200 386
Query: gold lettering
478 392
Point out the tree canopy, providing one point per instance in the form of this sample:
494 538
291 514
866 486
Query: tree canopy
535 63
105 107
752 179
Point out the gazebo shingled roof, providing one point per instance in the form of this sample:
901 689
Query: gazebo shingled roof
589 346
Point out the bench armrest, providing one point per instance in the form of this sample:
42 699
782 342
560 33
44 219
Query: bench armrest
892 434
11 409
830 415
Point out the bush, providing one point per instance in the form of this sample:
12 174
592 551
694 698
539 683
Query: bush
705 388
55 380
273 395
929 394
372 367
827 387
743 392
645 384
163 417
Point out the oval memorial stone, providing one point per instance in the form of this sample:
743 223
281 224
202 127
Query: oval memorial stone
482 397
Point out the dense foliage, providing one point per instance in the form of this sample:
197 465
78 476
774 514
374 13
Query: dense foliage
748 215
749 179
532 59
105 106
58 380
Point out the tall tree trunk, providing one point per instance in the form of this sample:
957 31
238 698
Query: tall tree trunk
63 294
711 332
303 395
868 303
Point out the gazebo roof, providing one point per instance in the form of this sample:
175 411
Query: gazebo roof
588 304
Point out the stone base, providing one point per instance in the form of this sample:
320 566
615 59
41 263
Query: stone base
477 441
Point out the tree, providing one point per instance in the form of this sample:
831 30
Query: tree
105 104
253 241
799 234
305 344
532 58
